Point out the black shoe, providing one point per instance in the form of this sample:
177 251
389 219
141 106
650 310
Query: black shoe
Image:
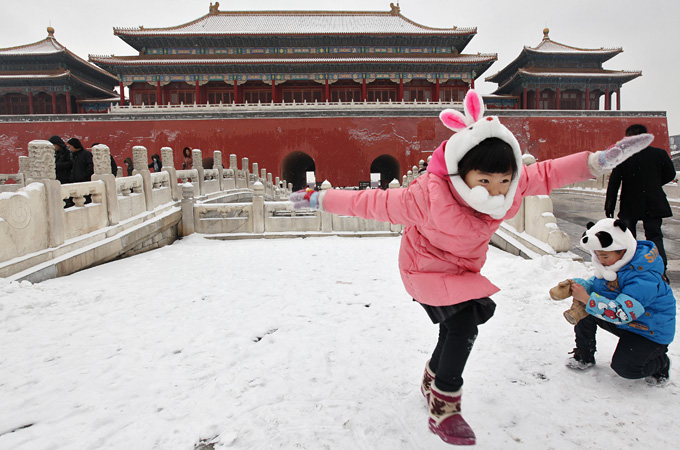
661 377
664 277
581 360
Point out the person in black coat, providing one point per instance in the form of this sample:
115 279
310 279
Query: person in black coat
83 167
641 178
62 160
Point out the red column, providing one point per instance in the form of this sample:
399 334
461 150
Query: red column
273 90
326 91
68 103
587 105
364 95
537 105
557 98
131 94
122 93
54 102
197 93
618 99
525 98
236 91
401 90
159 94
607 100
436 91
31 106
472 84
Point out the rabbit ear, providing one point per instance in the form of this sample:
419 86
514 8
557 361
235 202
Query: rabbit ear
453 119
474 105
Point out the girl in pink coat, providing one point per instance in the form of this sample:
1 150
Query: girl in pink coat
474 181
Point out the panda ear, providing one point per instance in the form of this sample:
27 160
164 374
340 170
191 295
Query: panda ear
605 238
621 224
589 225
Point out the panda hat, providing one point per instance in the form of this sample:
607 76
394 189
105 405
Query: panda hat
609 235
471 129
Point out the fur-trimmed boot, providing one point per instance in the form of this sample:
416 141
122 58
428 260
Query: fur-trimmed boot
428 379
446 420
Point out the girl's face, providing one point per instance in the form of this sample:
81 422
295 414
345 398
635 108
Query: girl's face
494 183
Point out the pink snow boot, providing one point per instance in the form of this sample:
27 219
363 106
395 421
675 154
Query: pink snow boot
428 379
446 420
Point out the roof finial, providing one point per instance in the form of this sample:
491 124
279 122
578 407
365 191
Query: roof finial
50 32
395 8
214 9
545 33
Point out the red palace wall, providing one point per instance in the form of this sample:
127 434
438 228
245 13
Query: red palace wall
343 148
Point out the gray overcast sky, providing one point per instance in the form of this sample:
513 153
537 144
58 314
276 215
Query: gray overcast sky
647 31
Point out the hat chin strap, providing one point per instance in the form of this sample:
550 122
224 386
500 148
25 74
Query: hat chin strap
479 199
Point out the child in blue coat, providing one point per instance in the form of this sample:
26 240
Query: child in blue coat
628 298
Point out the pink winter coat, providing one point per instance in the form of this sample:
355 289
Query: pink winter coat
445 242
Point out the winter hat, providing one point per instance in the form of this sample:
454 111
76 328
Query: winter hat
75 142
56 140
471 129
609 235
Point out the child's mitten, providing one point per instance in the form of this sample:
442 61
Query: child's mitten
605 160
306 198
561 291
576 312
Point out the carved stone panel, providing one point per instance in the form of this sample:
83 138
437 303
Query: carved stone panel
41 160
197 156
167 157
217 159
101 159
233 162
140 158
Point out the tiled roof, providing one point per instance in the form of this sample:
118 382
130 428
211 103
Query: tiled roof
549 46
46 46
53 76
295 22
164 60
579 73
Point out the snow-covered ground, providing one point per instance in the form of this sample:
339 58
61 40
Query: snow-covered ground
299 344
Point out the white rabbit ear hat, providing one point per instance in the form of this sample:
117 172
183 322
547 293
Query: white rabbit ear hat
472 128
609 235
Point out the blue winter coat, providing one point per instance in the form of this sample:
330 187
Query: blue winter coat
638 301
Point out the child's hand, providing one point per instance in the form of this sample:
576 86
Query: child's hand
622 150
306 198
579 293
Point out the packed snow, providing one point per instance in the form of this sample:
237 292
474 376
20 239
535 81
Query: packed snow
299 344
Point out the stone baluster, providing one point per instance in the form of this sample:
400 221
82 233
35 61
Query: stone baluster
40 167
326 218
140 162
217 164
258 207
404 181
255 174
187 225
246 173
101 158
168 158
197 164
270 184
25 168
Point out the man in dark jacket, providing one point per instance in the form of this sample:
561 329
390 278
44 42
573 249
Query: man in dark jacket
83 167
62 160
642 197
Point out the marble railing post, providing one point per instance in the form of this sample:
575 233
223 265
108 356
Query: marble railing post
25 168
119 172
187 225
168 159
258 207
270 184
102 171
197 164
255 175
140 162
245 169
41 168
217 164
326 218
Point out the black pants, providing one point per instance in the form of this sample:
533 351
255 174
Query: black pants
457 335
652 227
635 356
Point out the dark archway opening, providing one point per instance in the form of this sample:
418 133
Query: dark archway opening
295 168
388 168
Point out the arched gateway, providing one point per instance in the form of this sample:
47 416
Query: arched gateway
294 169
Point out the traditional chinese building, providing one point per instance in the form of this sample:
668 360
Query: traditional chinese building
46 78
291 56
557 76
